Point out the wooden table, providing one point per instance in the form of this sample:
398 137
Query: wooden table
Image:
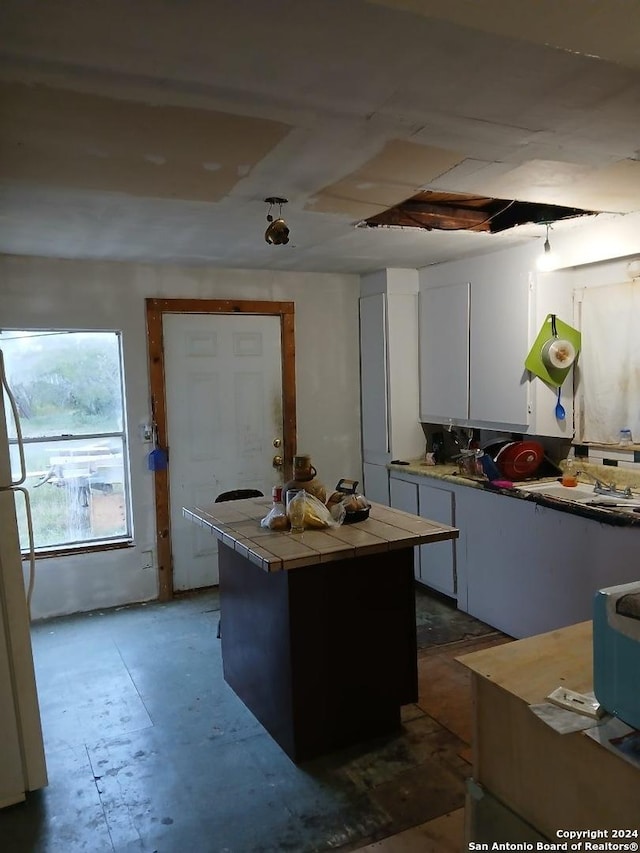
550 781
318 628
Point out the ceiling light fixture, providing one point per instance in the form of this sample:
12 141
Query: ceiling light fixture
546 261
277 232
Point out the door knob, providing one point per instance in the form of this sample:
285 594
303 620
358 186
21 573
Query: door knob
277 461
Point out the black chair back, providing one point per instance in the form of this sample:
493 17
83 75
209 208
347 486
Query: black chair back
238 495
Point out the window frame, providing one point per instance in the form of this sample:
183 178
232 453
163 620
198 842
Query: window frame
104 543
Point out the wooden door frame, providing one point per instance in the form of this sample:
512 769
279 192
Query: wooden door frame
155 309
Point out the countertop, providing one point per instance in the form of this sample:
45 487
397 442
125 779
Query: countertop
531 668
448 472
237 525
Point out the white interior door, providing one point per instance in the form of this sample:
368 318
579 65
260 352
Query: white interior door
223 387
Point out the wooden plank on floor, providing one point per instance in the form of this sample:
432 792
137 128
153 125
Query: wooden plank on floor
444 693
467 646
444 684
442 835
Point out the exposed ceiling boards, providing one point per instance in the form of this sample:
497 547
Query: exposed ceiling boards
613 188
154 130
432 210
68 139
393 175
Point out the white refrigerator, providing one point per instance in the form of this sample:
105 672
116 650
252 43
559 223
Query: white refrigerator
22 762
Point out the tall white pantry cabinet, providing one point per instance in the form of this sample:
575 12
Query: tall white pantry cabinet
389 381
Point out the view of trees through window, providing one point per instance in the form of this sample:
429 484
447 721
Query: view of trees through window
68 390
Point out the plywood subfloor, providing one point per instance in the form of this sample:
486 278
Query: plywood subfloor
442 835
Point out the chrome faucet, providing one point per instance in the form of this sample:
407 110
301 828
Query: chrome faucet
611 489
614 491
598 483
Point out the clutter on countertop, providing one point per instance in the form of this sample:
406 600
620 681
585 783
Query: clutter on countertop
586 472
305 477
276 518
569 474
500 484
302 503
306 512
356 506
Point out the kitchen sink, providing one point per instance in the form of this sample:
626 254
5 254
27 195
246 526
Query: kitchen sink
577 494
583 493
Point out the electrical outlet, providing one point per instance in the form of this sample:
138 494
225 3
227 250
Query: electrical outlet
146 559
146 433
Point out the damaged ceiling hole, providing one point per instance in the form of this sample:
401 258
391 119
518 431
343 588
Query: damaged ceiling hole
440 211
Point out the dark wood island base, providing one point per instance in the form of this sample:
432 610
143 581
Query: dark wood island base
324 655
319 628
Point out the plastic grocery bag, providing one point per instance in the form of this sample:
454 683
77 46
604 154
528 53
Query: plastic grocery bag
276 518
306 512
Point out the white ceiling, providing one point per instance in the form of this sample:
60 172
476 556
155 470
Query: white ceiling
154 130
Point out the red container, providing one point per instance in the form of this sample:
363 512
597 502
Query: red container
519 460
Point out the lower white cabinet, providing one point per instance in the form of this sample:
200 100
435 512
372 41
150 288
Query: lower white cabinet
404 495
530 569
434 563
437 559
520 567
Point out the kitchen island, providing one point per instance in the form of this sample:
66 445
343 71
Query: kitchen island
318 628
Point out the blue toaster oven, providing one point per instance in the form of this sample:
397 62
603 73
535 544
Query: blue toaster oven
616 651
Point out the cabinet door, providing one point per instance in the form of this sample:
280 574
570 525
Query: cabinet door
527 569
530 569
376 483
437 559
404 496
499 383
373 374
444 353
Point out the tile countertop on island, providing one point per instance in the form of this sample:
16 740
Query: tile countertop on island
448 472
237 525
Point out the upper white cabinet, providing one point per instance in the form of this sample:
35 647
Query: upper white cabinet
477 321
389 366
444 353
499 344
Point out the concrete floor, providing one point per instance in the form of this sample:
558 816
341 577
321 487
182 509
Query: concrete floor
149 750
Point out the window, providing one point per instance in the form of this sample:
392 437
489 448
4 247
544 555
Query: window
69 392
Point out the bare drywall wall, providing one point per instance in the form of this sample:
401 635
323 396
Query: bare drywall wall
44 293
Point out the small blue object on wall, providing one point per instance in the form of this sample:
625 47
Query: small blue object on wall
157 459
